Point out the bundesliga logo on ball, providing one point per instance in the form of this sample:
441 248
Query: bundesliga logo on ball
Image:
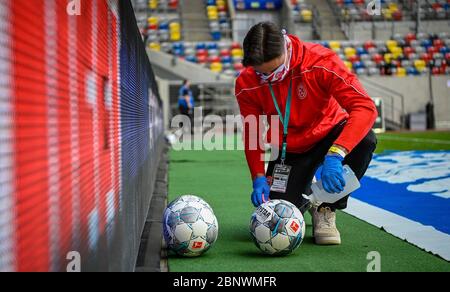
277 228
190 226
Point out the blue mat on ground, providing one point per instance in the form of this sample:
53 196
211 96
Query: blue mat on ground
413 184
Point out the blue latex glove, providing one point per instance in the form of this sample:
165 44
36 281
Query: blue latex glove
261 191
332 174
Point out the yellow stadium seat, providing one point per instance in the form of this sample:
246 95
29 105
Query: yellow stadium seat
393 7
155 46
221 3
401 72
388 58
213 15
307 15
350 52
217 67
391 43
387 14
175 36
213 12
420 65
153 20
396 52
335 45
237 53
153 4
212 9
349 65
175 27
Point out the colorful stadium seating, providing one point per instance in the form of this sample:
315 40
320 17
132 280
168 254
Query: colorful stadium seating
161 30
219 18
163 5
302 12
220 57
392 10
402 56
435 9
163 23
356 10
258 4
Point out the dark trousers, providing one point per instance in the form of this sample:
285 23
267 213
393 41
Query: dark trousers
305 165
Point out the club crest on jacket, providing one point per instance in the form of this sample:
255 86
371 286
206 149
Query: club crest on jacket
301 91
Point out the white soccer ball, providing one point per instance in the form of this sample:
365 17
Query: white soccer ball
190 226
277 227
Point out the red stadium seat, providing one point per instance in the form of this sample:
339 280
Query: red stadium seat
173 4
354 58
436 71
397 15
426 57
235 45
369 44
377 58
214 59
432 50
202 53
238 67
408 50
202 59
225 53
410 37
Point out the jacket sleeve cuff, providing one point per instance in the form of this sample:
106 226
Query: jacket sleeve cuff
258 169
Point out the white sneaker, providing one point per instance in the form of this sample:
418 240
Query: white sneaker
324 227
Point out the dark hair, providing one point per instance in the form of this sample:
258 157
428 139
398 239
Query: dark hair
263 43
185 81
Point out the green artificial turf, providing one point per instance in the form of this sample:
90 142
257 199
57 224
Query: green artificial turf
414 141
222 179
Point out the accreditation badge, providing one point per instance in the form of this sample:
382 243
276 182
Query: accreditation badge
280 181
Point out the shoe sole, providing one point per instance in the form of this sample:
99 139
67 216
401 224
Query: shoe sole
327 241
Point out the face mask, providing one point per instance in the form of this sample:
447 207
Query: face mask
280 73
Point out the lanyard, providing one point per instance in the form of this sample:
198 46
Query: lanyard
284 120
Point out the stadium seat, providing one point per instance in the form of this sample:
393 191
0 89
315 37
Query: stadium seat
391 10
258 4
216 67
163 5
404 55
219 19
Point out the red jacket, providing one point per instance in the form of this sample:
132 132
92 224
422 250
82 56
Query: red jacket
324 92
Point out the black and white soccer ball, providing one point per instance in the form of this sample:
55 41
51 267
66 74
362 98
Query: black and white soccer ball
190 226
277 228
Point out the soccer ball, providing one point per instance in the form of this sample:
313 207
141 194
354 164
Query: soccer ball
190 226
189 199
277 228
